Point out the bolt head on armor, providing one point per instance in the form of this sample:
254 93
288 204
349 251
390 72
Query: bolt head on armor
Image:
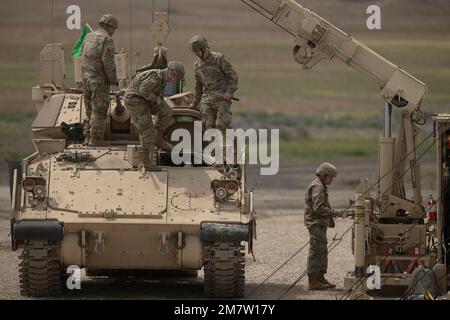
109 20
327 169
198 43
178 67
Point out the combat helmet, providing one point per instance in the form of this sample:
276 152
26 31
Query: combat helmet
109 20
327 169
178 67
198 43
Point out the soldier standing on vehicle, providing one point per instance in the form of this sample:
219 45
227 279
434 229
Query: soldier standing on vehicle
318 217
98 71
215 83
144 98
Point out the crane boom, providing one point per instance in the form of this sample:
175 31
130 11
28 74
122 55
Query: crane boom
317 39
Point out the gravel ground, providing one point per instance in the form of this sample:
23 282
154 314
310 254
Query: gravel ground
280 231
280 234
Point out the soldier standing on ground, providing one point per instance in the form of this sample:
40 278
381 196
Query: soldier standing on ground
215 83
144 98
318 217
98 71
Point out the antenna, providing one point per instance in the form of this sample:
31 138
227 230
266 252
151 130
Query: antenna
131 37
53 36
160 28
160 31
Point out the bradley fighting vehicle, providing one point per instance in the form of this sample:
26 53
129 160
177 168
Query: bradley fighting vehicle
393 230
91 207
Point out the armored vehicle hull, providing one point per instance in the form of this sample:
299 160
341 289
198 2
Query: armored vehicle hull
92 207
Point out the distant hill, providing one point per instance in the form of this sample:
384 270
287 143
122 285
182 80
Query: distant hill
415 34
31 25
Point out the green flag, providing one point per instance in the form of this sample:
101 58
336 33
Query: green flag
76 51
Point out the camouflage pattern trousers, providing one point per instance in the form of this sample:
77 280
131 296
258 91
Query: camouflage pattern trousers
141 112
96 101
216 114
318 252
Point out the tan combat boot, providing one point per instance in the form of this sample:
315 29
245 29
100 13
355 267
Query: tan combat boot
97 142
93 142
87 139
146 161
315 283
325 281
162 143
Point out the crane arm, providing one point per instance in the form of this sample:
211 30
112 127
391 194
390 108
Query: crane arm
315 40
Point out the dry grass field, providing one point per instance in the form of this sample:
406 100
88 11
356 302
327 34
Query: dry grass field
317 111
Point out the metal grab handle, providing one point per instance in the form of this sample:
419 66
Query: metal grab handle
163 243
99 247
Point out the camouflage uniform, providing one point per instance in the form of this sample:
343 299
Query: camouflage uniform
214 77
141 98
318 215
98 70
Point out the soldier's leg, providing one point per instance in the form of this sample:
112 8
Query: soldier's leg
142 118
165 117
223 122
324 262
316 262
322 249
100 105
316 255
164 122
224 116
87 95
209 114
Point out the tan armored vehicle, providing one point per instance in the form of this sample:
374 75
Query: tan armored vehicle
91 207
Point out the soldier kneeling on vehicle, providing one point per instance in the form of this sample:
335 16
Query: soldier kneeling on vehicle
144 98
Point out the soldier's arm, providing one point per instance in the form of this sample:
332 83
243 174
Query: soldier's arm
109 63
147 88
231 75
144 68
320 205
198 91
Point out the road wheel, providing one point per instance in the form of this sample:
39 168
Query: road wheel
224 271
39 277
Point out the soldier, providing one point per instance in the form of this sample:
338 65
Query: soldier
143 98
98 70
216 82
318 217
